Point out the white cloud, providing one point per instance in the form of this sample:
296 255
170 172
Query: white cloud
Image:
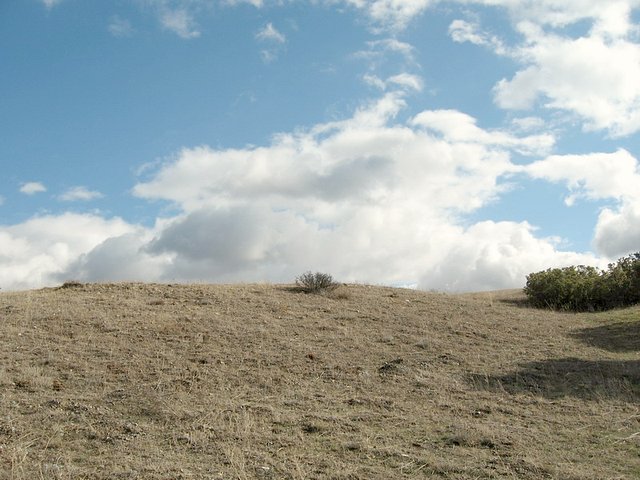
181 22
593 176
412 82
121 257
390 55
611 17
378 50
594 77
601 176
406 81
460 127
527 124
390 14
496 255
31 188
270 34
618 230
79 193
375 81
360 156
462 31
181 16
36 252
120 27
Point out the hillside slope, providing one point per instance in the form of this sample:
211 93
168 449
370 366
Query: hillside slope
261 381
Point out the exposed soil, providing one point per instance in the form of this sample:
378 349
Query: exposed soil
147 381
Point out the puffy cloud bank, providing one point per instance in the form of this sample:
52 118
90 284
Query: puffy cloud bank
369 199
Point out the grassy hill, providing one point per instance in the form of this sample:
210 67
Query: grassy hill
144 381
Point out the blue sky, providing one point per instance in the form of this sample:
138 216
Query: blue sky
443 144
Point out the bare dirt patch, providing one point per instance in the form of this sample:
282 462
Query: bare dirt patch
266 382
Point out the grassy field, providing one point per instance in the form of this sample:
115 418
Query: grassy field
144 381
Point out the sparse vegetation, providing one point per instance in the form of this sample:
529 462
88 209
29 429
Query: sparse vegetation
71 284
582 288
316 282
243 382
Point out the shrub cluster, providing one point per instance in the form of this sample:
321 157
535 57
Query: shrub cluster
316 282
584 288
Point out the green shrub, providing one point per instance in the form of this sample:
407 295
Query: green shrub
570 288
622 282
316 282
585 288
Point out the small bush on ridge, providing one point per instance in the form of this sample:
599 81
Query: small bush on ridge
585 288
316 282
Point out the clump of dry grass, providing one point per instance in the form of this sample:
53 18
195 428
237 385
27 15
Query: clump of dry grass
260 382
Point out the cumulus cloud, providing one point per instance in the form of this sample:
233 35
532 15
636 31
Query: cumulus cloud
79 194
601 176
499 254
527 124
618 230
366 198
460 127
349 158
31 188
36 252
119 258
594 77
593 176
612 17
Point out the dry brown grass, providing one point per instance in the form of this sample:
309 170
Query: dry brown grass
264 382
